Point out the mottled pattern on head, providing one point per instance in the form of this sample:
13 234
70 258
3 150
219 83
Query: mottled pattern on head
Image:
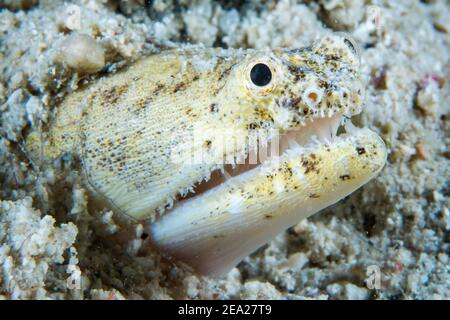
306 84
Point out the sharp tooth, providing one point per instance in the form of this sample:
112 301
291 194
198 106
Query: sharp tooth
325 139
225 174
323 131
293 144
334 127
315 139
349 126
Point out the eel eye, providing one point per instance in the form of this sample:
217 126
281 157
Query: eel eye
260 74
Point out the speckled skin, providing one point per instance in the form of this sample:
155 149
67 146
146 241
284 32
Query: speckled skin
127 128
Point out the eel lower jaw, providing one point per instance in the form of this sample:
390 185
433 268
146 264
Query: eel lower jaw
215 229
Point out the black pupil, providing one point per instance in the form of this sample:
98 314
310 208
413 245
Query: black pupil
260 74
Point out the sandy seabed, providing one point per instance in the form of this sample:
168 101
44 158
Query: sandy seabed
54 246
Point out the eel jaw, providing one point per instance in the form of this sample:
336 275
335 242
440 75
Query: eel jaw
216 229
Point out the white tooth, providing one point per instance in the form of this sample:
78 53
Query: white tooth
323 131
183 192
330 132
325 139
319 135
293 144
350 127
226 174
334 127
315 140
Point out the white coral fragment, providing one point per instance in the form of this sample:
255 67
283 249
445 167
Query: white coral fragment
82 53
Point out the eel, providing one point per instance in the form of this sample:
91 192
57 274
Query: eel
219 150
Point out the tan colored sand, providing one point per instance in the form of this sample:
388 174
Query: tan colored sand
52 245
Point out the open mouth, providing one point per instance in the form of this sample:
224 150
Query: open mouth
230 215
319 131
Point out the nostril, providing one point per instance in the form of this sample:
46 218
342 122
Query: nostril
312 96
